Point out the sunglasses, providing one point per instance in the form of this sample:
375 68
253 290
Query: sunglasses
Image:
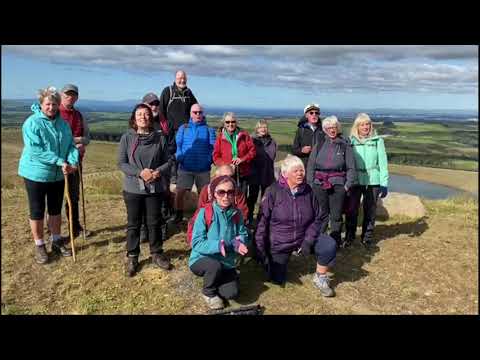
155 103
197 112
222 193
230 122
314 113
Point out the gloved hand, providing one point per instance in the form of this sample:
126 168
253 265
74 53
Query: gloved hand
383 191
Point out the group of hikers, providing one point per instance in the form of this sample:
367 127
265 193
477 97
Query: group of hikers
169 142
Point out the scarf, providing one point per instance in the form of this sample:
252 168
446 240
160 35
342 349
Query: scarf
233 141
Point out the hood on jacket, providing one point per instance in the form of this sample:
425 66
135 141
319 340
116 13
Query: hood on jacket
354 139
37 110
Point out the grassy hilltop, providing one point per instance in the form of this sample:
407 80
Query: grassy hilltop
404 274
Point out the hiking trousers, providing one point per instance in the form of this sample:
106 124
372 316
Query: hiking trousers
217 280
138 205
324 249
370 195
331 206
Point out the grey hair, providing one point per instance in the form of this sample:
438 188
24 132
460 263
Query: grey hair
229 113
331 120
290 162
49 93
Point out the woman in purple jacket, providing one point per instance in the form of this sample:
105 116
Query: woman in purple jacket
290 222
262 169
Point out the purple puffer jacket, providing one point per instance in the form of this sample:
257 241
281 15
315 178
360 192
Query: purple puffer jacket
287 220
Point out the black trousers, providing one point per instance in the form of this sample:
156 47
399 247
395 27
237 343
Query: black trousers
370 195
253 190
138 205
74 192
331 205
216 278
38 191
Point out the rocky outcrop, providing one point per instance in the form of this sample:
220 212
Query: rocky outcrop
398 204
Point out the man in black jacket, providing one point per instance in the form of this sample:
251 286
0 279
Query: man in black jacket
175 103
309 129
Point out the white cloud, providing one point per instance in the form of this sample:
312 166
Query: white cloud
319 68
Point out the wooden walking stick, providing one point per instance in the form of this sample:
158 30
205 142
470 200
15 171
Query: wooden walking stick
70 216
83 201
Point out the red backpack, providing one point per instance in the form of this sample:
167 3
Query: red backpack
208 216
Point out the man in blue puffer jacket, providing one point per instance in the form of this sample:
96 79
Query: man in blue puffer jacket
49 153
195 142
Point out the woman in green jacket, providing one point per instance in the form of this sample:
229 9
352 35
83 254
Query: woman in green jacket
372 172
48 154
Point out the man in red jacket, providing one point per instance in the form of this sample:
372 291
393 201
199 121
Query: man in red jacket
81 137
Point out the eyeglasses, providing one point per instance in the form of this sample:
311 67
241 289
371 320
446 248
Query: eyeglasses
230 122
197 112
222 193
314 113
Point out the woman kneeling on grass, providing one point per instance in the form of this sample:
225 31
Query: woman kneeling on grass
144 158
290 222
214 248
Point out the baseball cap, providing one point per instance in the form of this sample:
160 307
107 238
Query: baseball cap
311 107
149 98
70 87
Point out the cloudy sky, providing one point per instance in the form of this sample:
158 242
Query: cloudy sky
278 76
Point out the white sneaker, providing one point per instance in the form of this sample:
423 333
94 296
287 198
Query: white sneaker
214 303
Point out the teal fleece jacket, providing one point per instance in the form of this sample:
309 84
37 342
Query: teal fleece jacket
47 145
370 161
208 243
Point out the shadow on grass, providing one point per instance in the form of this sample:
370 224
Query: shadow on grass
110 229
350 261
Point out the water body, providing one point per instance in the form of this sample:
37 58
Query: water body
410 185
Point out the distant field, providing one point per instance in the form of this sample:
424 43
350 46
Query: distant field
449 145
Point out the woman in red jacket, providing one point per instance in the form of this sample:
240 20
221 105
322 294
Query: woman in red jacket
235 146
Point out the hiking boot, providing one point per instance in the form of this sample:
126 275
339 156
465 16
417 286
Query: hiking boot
161 261
41 255
59 248
338 239
323 283
132 265
177 218
367 241
349 238
77 231
214 303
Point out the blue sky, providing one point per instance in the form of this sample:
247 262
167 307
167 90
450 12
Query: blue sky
418 77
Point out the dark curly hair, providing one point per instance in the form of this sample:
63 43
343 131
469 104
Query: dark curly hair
131 122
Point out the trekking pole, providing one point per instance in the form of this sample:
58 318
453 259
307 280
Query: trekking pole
83 201
70 215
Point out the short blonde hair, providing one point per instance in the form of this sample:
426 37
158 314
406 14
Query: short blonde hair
331 120
49 93
261 123
360 119
291 162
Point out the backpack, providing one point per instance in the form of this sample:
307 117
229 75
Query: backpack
208 217
172 97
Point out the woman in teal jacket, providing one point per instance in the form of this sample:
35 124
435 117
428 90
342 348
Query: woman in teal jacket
372 172
48 153
214 249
